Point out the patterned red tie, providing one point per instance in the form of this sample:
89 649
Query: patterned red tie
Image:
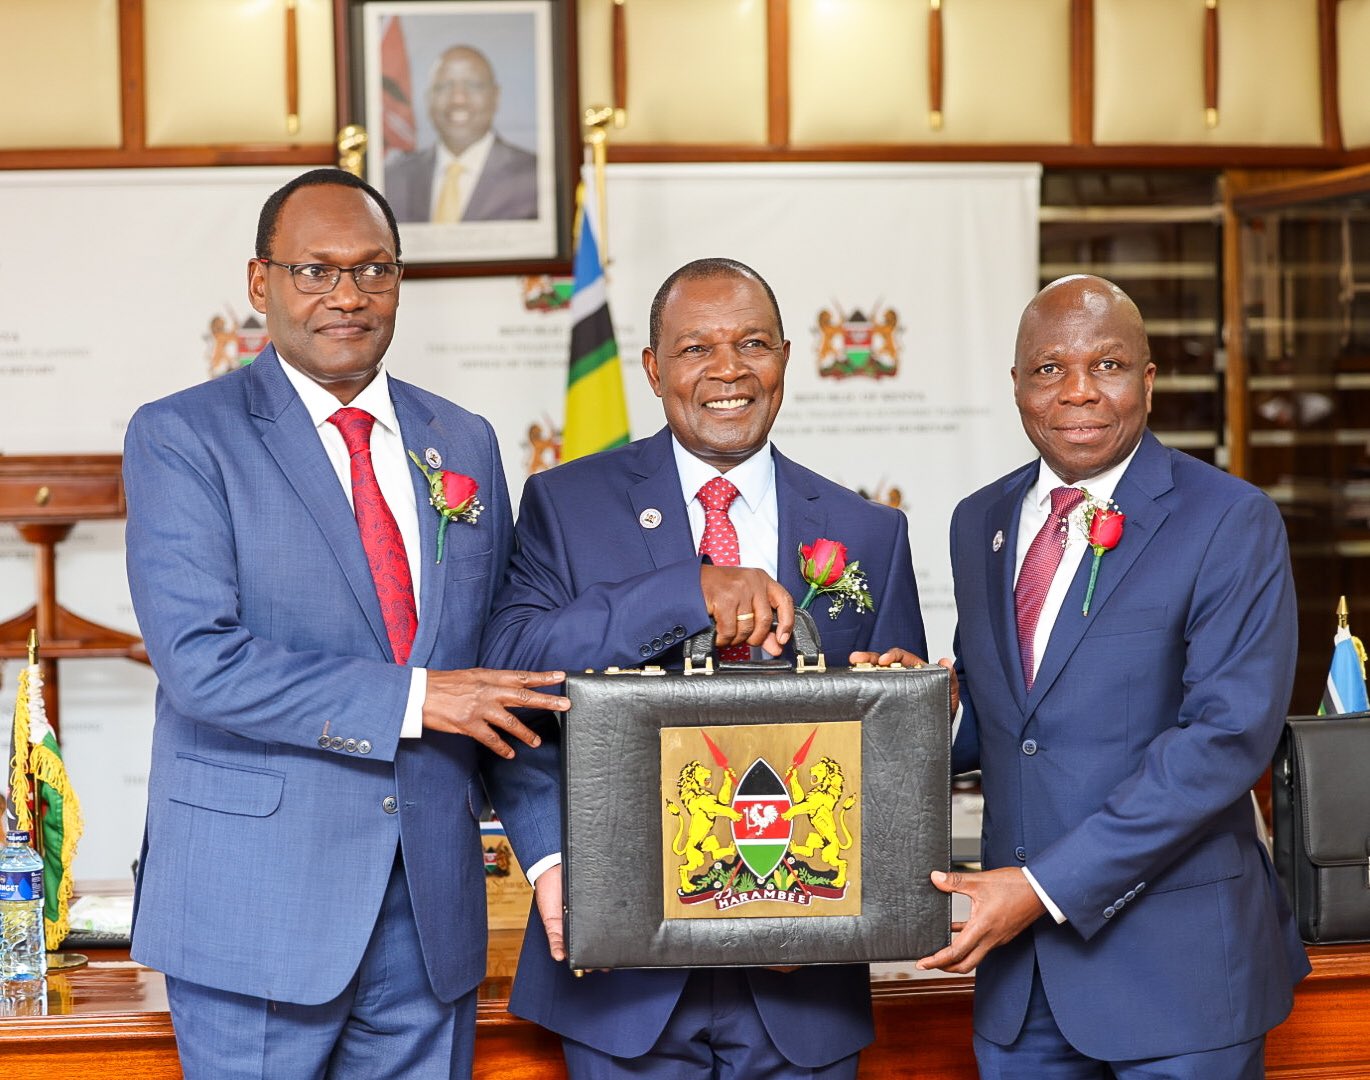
1039 567
719 541
380 535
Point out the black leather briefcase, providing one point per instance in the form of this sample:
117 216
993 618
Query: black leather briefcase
1322 825
750 814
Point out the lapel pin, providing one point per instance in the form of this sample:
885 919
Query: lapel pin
433 458
649 518
998 540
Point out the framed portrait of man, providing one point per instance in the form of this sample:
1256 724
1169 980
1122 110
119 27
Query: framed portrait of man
468 107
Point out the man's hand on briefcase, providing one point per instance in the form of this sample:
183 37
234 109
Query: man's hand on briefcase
742 602
476 702
908 659
1002 906
547 896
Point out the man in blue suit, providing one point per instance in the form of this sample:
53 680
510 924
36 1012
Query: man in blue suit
1127 922
608 571
311 879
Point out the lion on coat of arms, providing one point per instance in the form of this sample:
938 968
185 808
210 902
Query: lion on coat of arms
820 804
702 807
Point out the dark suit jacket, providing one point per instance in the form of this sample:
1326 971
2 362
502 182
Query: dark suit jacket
506 190
589 587
1121 780
277 766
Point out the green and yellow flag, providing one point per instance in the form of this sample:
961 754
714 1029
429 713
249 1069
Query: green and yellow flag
596 410
36 763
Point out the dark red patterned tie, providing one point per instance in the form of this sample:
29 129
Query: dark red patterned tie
719 541
380 535
1039 567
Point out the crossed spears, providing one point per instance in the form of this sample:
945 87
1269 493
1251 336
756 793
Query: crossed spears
721 760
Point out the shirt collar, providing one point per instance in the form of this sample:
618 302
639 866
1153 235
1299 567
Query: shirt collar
752 478
472 159
321 404
1100 487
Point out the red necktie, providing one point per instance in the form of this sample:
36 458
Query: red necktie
719 541
380 535
1039 567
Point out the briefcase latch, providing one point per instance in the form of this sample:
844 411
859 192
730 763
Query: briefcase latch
707 668
650 669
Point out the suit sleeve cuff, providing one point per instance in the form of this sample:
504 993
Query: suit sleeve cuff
1056 913
545 863
412 728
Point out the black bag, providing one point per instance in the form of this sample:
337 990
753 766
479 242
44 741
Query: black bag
647 885
1322 825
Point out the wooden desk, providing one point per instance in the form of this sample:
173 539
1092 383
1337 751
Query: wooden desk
110 1020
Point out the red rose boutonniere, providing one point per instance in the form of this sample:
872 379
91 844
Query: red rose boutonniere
452 495
823 565
1103 526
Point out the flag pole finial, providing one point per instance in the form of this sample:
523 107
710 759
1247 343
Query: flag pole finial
1343 615
33 647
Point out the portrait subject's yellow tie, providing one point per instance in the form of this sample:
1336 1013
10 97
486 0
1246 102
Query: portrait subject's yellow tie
449 199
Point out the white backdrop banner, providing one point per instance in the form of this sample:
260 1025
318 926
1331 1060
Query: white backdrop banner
899 285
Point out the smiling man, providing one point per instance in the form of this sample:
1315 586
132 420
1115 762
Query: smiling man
310 880
470 174
621 557
1127 922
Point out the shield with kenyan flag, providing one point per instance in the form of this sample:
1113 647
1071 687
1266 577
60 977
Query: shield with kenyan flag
762 834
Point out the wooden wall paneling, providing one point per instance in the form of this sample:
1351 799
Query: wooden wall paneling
1268 73
935 73
60 74
695 74
1352 76
1327 50
1081 72
1211 63
220 73
777 72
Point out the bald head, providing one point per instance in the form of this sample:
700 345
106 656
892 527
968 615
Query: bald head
462 97
1082 376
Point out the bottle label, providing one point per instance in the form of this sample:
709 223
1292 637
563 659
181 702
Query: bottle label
21 885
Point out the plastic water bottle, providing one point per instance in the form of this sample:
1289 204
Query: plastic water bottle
23 956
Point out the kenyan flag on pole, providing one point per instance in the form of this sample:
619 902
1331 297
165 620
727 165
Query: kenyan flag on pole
762 835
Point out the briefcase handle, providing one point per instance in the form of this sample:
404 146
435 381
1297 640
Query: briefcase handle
807 645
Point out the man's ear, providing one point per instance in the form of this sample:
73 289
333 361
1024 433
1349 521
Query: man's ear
649 365
256 285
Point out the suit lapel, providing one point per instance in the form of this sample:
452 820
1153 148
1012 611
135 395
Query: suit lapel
419 431
1146 479
655 494
802 521
290 438
1002 519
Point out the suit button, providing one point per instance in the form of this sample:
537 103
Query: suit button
364 747
644 650
1109 912
668 638
1119 904
336 742
1140 886
350 746
390 804
323 742
1130 895
657 644
679 631
1029 747
1020 853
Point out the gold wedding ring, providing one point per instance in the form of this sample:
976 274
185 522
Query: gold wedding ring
746 615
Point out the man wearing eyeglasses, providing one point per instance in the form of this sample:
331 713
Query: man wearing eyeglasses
311 876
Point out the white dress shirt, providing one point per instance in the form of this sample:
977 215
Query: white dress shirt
472 162
753 513
1033 514
392 466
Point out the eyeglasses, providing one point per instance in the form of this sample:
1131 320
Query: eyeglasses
318 278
